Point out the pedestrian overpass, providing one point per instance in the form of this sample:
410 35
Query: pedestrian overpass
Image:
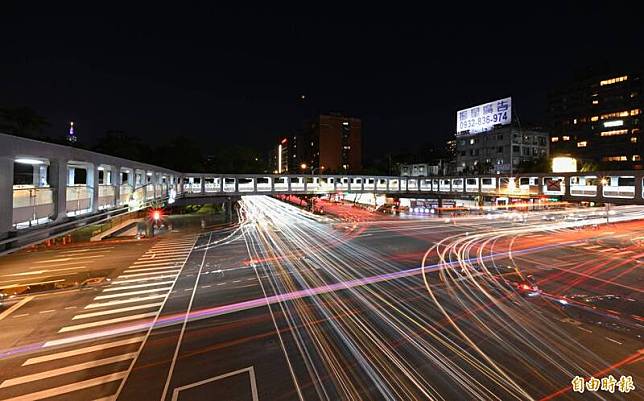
45 186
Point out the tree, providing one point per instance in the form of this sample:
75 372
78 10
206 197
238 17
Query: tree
23 121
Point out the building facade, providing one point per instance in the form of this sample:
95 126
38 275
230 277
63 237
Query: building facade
332 143
597 119
501 150
419 170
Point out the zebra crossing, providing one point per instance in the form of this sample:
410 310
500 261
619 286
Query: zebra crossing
85 366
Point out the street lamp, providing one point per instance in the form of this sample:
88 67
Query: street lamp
313 169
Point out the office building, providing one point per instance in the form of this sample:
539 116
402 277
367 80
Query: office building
492 151
597 119
332 143
489 141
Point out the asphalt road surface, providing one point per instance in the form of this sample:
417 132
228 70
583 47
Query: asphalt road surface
286 305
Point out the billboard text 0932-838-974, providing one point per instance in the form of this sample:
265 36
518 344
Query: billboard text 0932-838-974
484 116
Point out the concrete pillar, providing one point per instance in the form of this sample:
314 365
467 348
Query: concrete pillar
92 182
6 196
638 186
288 184
116 183
58 181
254 185
272 181
202 188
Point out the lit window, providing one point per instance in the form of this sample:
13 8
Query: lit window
613 80
471 141
595 101
614 132
615 158
616 123
554 139
594 118
633 139
574 121
616 114
565 138
582 144
636 158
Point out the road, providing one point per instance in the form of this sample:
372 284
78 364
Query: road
291 306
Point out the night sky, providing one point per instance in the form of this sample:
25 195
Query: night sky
236 75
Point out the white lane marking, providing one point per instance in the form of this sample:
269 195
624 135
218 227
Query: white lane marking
67 369
251 374
71 307
80 351
135 280
615 341
113 311
130 293
187 289
147 269
106 322
145 274
47 311
236 281
68 388
203 286
123 301
68 259
21 315
88 250
130 287
221 283
14 307
584 329
33 273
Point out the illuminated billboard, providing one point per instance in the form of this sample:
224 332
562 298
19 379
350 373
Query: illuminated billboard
484 116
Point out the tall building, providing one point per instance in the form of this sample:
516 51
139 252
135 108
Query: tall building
597 119
286 156
332 143
71 135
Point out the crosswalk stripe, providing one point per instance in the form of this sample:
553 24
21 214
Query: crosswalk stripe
106 322
67 369
81 351
118 310
123 301
68 388
134 280
147 269
130 293
144 274
170 251
160 260
129 287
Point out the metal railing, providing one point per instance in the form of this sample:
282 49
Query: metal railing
32 206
